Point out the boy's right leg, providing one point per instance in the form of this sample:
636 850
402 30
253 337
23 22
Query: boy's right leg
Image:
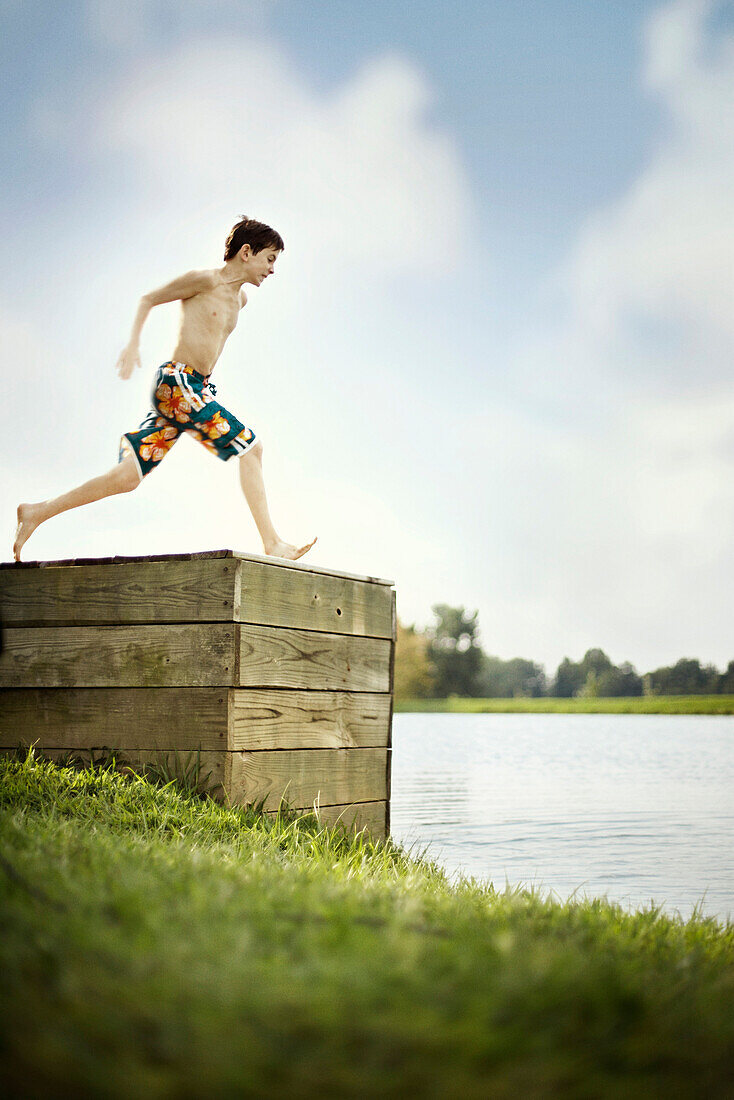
253 486
122 478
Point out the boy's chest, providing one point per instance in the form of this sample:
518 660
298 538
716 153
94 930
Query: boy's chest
220 308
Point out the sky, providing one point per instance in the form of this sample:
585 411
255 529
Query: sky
495 362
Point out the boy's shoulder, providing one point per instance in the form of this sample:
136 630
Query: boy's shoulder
207 277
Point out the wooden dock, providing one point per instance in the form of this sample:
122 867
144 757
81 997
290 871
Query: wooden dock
279 673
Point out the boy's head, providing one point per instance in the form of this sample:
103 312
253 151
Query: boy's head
256 234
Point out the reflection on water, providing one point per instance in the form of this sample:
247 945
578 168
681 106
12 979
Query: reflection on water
634 807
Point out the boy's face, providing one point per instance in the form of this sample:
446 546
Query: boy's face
260 264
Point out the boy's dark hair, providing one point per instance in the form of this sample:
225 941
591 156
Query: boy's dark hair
256 234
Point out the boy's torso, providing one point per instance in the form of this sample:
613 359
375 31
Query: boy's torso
208 318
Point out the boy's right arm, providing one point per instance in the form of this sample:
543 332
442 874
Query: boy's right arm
185 286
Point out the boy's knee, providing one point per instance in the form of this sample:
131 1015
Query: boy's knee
256 450
128 476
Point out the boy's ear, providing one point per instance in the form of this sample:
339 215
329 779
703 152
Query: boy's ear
245 251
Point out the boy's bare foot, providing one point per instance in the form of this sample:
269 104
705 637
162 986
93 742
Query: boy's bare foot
29 517
285 550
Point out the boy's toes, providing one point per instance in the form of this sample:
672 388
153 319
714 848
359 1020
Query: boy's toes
304 549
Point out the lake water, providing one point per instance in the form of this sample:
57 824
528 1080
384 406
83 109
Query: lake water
634 807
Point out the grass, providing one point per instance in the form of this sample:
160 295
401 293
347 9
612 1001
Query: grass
156 944
644 704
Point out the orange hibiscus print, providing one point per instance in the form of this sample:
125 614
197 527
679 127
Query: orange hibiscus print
172 403
202 439
216 427
156 446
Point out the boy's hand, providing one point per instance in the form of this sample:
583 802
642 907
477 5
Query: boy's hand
128 361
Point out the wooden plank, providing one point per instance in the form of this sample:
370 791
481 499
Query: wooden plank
333 776
212 765
388 762
196 655
305 566
312 601
281 563
353 817
118 559
272 719
145 592
120 718
279 657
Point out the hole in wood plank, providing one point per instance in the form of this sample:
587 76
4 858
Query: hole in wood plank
338 611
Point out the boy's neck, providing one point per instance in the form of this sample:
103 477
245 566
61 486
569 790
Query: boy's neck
235 272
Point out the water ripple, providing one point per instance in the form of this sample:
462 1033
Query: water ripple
629 807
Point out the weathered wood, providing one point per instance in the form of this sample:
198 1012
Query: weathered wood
280 675
195 655
120 718
312 601
268 719
388 761
333 776
186 655
147 592
200 555
278 657
207 589
196 717
353 817
211 765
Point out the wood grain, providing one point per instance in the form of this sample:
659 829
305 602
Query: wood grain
278 657
333 776
200 555
144 592
186 655
312 601
353 817
120 718
271 719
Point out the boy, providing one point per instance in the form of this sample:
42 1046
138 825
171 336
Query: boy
182 395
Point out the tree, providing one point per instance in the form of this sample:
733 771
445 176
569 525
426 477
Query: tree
415 677
685 677
726 680
596 661
516 678
454 651
568 680
595 676
621 680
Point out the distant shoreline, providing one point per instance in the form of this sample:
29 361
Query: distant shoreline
642 704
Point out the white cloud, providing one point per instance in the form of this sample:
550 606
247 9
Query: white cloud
662 256
634 494
358 169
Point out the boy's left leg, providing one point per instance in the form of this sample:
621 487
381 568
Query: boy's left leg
122 478
253 486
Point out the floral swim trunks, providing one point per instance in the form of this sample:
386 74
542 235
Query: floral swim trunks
183 401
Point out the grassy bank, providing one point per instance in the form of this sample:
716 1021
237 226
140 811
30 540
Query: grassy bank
645 704
156 945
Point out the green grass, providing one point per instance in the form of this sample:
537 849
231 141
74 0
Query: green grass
154 944
645 704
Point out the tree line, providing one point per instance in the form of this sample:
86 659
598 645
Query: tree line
447 659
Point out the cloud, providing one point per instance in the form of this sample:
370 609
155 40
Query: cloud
358 168
652 273
626 524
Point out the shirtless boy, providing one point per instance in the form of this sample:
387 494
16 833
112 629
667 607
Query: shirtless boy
183 397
